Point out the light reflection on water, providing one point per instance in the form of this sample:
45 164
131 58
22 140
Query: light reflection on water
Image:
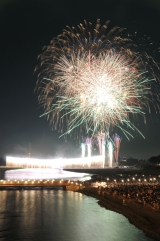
46 173
56 215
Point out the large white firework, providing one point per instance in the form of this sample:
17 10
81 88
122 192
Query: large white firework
93 80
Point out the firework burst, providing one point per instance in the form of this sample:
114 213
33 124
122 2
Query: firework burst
93 79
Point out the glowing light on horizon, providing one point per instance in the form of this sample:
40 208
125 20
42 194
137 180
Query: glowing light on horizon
83 150
89 153
59 163
110 147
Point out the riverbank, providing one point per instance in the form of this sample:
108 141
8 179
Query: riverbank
142 217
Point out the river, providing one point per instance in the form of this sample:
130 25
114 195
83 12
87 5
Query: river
57 215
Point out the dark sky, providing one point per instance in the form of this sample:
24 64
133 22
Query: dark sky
25 27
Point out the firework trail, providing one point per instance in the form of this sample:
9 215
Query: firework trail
94 79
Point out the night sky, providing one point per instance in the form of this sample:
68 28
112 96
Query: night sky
25 27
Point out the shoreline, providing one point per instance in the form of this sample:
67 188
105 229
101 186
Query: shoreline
142 217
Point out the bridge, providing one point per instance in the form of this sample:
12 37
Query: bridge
41 184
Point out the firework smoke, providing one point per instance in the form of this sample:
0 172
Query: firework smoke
94 79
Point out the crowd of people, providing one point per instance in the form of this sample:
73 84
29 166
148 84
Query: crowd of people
146 193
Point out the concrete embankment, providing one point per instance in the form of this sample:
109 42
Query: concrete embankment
73 188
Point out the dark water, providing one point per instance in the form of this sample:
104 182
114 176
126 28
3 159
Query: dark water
58 215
